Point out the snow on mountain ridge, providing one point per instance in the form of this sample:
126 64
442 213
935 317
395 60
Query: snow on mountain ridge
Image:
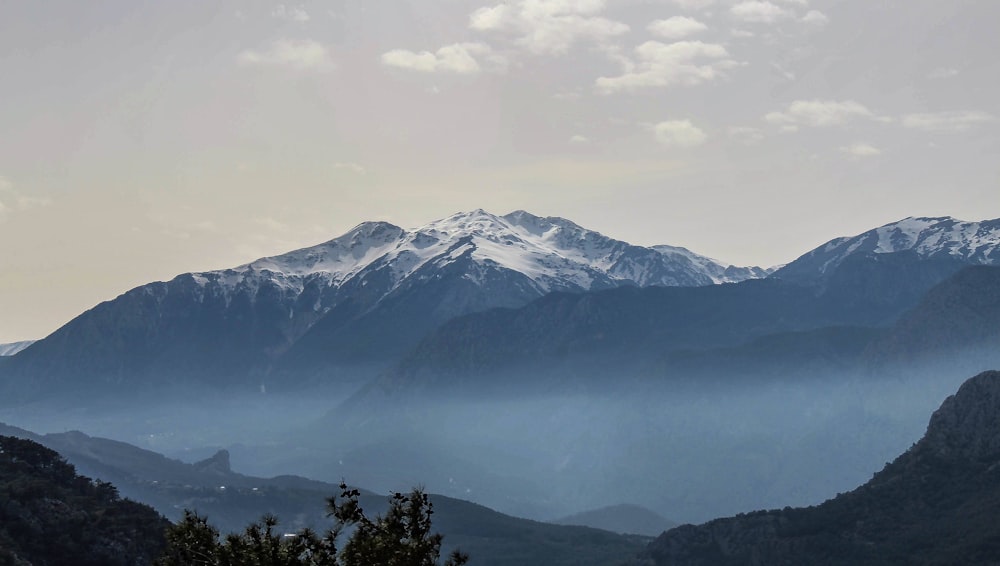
970 241
554 253
14 347
928 237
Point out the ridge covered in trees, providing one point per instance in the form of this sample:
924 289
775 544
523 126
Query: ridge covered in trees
51 515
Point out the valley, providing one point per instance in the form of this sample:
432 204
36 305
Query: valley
590 390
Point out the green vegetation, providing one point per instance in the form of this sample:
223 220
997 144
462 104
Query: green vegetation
401 537
51 515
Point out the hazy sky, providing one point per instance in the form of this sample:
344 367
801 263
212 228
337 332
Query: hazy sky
142 139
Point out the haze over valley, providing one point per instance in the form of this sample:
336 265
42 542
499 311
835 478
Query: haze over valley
605 282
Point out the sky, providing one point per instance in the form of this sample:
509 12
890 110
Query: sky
143 139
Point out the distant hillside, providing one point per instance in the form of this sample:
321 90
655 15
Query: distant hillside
49 515
935 504
232 500
957 322
624 518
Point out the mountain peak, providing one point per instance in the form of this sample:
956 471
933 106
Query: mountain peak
944 237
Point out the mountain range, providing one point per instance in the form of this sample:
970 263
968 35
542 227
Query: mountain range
532 366
344 306
345 311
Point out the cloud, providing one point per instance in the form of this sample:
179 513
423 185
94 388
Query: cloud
819 114
677 27
295 14
354 167
957 121
298 54
861 149
12 201
579 140
461 58
548 27
679 133
660 65
746 135
815 18
692 5
754 11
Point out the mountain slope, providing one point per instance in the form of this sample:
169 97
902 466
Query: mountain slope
935 504
51 515
14 347
624 518
944 238
956 323
232 500
359 300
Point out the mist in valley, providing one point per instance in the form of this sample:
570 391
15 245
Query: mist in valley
691 449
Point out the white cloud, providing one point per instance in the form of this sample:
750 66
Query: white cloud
296 14
656 64
818 114
692 5
578 139
861 149
11 200
957 121
461 58
548 26
298 54
755 11
677 27
354 167
746 135
679 133
815 18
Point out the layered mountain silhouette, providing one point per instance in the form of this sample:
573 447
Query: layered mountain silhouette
232 501
341 309
472 291
935 504
767 327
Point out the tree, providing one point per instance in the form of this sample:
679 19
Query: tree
402 537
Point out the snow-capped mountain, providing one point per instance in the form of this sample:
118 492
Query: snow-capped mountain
719 272
361 299
553 253
943 238
14 347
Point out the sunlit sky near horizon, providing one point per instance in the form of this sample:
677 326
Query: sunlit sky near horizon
139 140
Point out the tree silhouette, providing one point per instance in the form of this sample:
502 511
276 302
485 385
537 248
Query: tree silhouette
401 537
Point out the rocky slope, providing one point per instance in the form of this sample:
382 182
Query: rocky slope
935 504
